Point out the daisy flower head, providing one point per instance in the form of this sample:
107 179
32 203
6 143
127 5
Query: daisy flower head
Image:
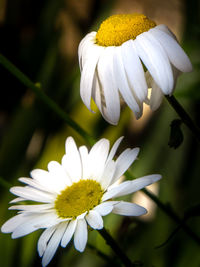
128 55
74 194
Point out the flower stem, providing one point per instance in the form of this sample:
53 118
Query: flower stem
169 211
184 116
112 243
44 98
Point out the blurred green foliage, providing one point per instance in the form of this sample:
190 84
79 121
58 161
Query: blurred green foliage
31 135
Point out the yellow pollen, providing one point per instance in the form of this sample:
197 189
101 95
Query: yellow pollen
118 29
78 198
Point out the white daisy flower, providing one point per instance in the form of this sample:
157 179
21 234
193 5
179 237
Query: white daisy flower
128 55
70 195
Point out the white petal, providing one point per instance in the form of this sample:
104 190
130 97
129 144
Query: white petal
156 93
105 207
68 233
86 48
122 83
124 161
17 199
156 61
98 96
108 173
80 235
87 74
128 209
82 216
26 227
85 42
33 208
59 174
53 244
114 149
94 219
44 239
34 183
129 187
116 190
12 223
109 86
33 194
46 180
165 29
71 161
134 70
85 162
97 158
176 54
32 222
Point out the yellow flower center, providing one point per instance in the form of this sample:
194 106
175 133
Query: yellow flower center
78 198
118 29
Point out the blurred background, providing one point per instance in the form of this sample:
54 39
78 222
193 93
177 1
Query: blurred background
41 38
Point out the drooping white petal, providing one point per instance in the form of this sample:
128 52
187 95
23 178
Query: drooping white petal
97 158
134 70
94 219
99 99
59 174
105 207
80 235
44 239
68 233
114 149
109 86
128 209
124 161
122 83
156 93
85 42
71 160
33 194
165 29
176 54
129 187
33 208
156 61
156 97
53 244
108 173
88 72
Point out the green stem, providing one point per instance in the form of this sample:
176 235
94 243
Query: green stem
112 243
168 210
43 97
184 116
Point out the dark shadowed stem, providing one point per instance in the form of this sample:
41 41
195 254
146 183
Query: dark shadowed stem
45 99
184 116
112 243
169 211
